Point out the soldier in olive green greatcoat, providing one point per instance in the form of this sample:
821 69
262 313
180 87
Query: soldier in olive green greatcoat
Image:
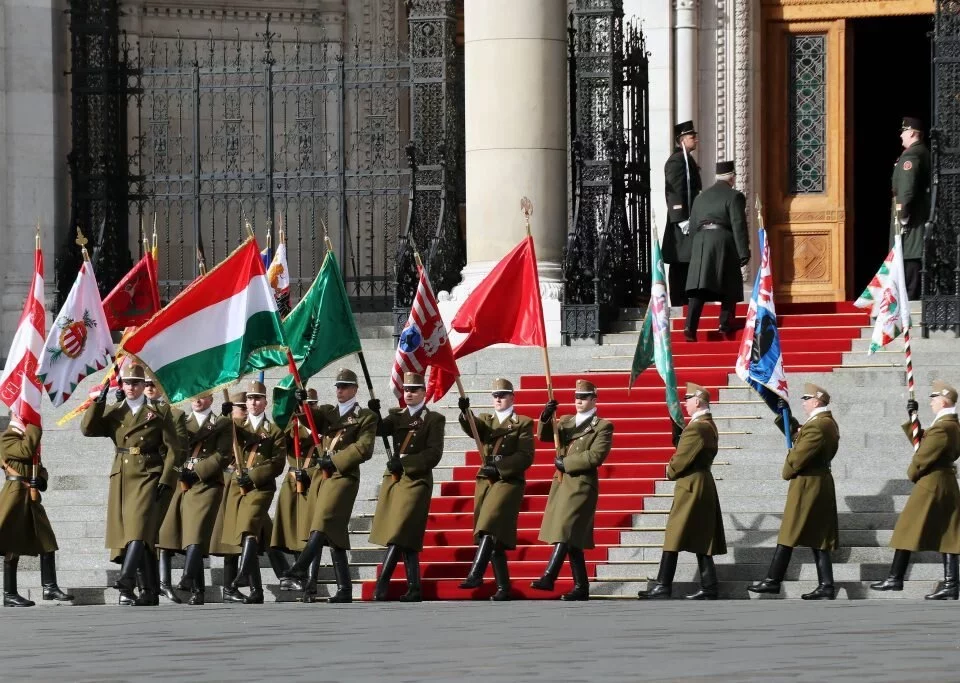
235 408
139 431
911 200
403 504
695 524
720 250
810 514
24 526
681 184
188 525
349 434
585 442
507 440
931 518
246 520
292 514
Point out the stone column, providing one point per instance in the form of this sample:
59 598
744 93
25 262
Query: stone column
687 66
516 140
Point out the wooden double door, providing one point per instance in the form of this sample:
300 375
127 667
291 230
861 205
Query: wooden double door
808 143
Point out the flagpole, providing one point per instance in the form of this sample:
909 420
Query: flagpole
35 465
526 206
907 353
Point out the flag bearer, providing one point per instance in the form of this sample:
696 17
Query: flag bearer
585 441
403 506
236 409
810 515
695 524
931 518
24 527
139 431
507 454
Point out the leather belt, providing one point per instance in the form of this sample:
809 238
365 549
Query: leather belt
711 226
135 450
14 477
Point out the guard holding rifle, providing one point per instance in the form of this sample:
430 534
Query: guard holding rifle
24 526
585 442
400 520
139 431
188 525
349 433
507 453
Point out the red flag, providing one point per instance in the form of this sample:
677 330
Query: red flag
136 298
20 389
424 342
505 308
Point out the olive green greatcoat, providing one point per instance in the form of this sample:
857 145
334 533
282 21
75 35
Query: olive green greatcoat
192 513
24 527
496 504
332 498
715 255
292 514
170 478
404 505
264 452
810 514
133 511
695 524
911 192
931 518
572 503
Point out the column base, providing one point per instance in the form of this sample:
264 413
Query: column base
551 291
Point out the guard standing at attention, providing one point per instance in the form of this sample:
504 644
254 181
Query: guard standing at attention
682 184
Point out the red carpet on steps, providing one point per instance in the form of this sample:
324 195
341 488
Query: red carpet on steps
813 336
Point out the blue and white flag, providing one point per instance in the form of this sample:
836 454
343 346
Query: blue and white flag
760 362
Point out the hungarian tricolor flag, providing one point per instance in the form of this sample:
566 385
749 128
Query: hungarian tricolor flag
505 308
20 390
204 338
136 298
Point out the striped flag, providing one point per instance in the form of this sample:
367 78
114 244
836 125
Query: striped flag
424 341
204 338
888 301
20 390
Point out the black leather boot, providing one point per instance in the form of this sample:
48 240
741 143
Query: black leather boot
898 569
249 556
501 573
545 582
255 597
48 579
708 580
663 586
778 569
581 583
480 561
411 563
231 594
824 589
192 568
132 560
10 596
310 582
197 593
341 570
294 577
386 573
278 562
166 577
949 589
150 596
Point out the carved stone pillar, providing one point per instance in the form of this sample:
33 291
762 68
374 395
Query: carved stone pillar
686 28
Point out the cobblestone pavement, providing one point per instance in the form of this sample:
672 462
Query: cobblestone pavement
892 640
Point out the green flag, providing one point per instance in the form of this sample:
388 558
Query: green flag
654 344
320 330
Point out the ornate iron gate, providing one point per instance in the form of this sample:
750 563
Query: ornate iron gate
941 261
606 260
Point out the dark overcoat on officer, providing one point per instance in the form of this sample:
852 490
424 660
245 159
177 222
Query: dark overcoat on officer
911 198
681 189
695 523
509 447
572 503
24 526
404 505
718 223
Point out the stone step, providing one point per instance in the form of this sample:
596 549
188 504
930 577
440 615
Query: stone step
769 521
865 491
765 538
766 502
790 590
743 554
797 571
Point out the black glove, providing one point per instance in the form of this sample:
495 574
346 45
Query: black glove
189 476
102 396
301 395
38 483
244 481
374 405
226 409
119 395
394 466
558 463
548 410
677 432
326 462
161 490
912 407
463 403
744 261
490 472
302 477
781 404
